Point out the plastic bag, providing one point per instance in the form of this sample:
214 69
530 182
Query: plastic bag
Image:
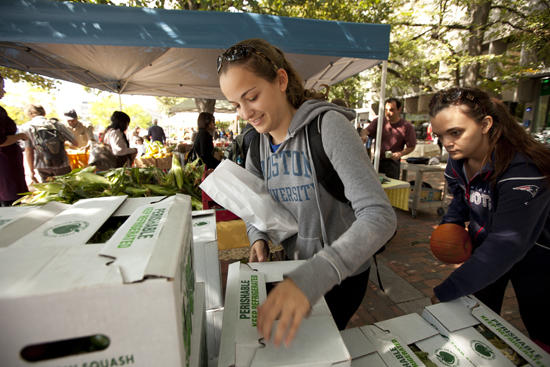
102 157
244 194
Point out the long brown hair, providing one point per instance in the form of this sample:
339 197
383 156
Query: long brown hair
296 94
506 136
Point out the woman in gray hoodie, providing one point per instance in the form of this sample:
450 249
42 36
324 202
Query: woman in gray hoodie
337 239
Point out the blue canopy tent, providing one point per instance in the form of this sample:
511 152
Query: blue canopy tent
128 50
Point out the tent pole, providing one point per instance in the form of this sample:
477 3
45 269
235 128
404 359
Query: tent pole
120 102
381 107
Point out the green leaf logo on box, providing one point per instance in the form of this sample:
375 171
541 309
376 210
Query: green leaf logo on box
483 350
66 229
200 224
447 357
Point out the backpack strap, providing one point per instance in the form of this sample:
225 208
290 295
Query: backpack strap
326 174
254 152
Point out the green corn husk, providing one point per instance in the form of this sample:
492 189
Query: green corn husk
178 171
49 187
160 190
93 178
134 191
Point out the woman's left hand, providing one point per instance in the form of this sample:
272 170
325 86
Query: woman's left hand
286 303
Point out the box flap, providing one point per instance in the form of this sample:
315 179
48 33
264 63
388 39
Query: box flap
411 328
53 269
252 293
142 246
275 270
454 315
532 353
391 348
444 352
73 226
204 226
130 205
17 222
317 343
13 213
357 343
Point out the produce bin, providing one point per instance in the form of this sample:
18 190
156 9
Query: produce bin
78 160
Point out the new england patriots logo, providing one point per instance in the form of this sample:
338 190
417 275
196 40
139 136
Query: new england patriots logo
529 188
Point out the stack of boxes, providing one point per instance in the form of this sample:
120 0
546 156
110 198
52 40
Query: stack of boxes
68 301
447 334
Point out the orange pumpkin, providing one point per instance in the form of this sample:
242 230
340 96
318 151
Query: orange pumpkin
451 243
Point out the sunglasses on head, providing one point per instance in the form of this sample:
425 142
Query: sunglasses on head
454 96
238 52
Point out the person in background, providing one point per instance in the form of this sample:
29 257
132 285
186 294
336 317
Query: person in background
34 152
84 132
398 138
500 180
134 136
115 136
139 146
337 239
12 170
156 133
203 146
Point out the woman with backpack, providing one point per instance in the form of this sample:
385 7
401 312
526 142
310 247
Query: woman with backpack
115 137
500 180
337 238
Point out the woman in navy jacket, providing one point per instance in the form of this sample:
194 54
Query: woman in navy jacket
500 179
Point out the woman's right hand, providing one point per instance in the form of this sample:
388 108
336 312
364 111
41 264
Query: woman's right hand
259 252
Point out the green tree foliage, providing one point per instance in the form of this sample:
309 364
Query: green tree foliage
164 103
102 110
16 114
35 80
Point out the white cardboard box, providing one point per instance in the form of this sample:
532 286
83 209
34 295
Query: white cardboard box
207 270
214 320
413 329
16 222
456 320
139 294
199 357
317 343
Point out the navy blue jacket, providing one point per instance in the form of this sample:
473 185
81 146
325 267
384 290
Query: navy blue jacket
509 223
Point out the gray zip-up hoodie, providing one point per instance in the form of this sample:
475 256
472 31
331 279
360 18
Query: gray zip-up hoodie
337 239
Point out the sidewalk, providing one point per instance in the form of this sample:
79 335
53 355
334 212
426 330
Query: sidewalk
408 273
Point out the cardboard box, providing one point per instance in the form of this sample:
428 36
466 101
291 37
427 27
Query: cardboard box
16 222
417 333
204 225
428 194
145 162
373 346
164 163
317 343
136 291
457 320
214 320
199 356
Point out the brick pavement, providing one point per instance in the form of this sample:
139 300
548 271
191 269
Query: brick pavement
415 264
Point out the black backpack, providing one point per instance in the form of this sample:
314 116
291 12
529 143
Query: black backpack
326 174
49 141
235 151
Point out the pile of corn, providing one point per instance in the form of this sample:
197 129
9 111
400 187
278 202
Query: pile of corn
157 150
83 183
